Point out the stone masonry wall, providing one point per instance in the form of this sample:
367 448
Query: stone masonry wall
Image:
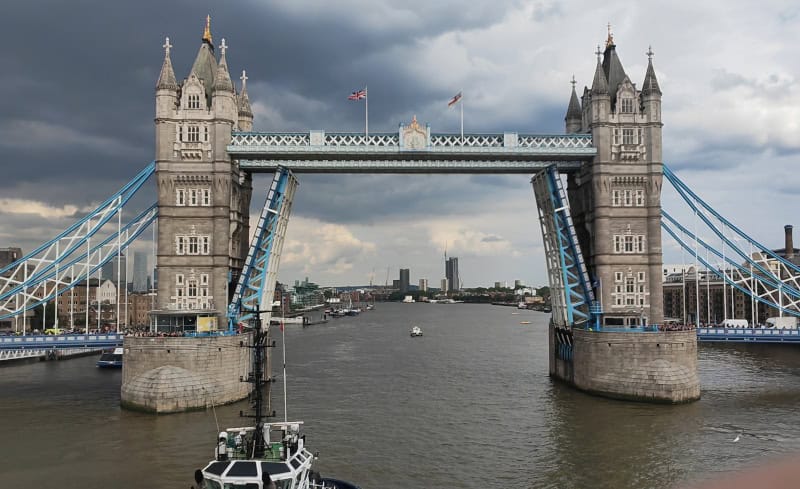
655 367
165 375
650 367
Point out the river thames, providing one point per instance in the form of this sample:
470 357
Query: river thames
468 405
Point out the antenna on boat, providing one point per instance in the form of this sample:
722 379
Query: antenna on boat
283 347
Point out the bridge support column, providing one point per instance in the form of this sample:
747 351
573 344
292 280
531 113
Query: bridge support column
651 366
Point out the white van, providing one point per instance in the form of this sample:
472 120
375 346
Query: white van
735 323
786 322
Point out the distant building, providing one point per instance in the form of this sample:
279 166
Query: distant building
443 286
405 279
307 294
139 306
423 285
9 256
518 284
140 283
451 272
396 284
110 270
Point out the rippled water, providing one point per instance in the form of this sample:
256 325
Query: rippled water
468 405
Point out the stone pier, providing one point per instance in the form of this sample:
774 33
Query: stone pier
168 375
650 366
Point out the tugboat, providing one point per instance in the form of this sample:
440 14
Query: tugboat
266 455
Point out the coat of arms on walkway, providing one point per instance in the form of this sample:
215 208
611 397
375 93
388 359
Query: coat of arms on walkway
414 136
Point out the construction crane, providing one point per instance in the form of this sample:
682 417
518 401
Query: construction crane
386 284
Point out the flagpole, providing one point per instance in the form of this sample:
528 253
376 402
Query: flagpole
462 116
366 114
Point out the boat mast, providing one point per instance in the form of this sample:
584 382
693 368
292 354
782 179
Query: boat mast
256 378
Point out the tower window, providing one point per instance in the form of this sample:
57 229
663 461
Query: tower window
627 136
640 198
180 197
627 106
206 196
194 101
206 134
194 134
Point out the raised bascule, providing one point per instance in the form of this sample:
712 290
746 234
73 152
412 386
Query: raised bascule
597 189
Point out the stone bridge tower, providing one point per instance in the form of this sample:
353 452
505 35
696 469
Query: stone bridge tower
203 197
616 199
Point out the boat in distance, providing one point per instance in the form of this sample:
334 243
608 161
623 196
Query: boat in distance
111 358
416 331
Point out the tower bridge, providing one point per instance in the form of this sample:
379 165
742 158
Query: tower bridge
597 189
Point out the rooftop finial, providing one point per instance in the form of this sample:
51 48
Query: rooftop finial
243 78
223 47
573 82
649 52
610 40
598 53
207 31
166 47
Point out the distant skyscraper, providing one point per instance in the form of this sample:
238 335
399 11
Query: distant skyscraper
139 271
110 272
423 285
404 279
518 284
443 285
498 285
451 272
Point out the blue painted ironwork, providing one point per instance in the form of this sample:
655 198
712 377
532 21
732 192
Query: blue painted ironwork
255 286
571 295
50 269
724 276
689 196
105 340
59 279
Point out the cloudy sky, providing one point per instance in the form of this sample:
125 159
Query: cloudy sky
78 99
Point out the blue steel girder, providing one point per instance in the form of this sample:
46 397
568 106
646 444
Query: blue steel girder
571 293
739 285
71 269
320 152
256 285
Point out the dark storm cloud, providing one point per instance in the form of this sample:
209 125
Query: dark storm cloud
81 82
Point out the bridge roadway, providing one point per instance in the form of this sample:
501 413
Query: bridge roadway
747 335
407 151
59 342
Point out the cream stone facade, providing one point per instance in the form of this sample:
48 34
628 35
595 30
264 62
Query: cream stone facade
616 199
203 197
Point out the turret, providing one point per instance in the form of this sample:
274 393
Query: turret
245 111
166 87
224 98
573 117
600 101
651 92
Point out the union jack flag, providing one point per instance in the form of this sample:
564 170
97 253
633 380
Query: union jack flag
358 95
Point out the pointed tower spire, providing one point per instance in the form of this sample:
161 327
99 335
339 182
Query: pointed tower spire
244 100
207 32
599 84
650 85
166 80
222 82
574 115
